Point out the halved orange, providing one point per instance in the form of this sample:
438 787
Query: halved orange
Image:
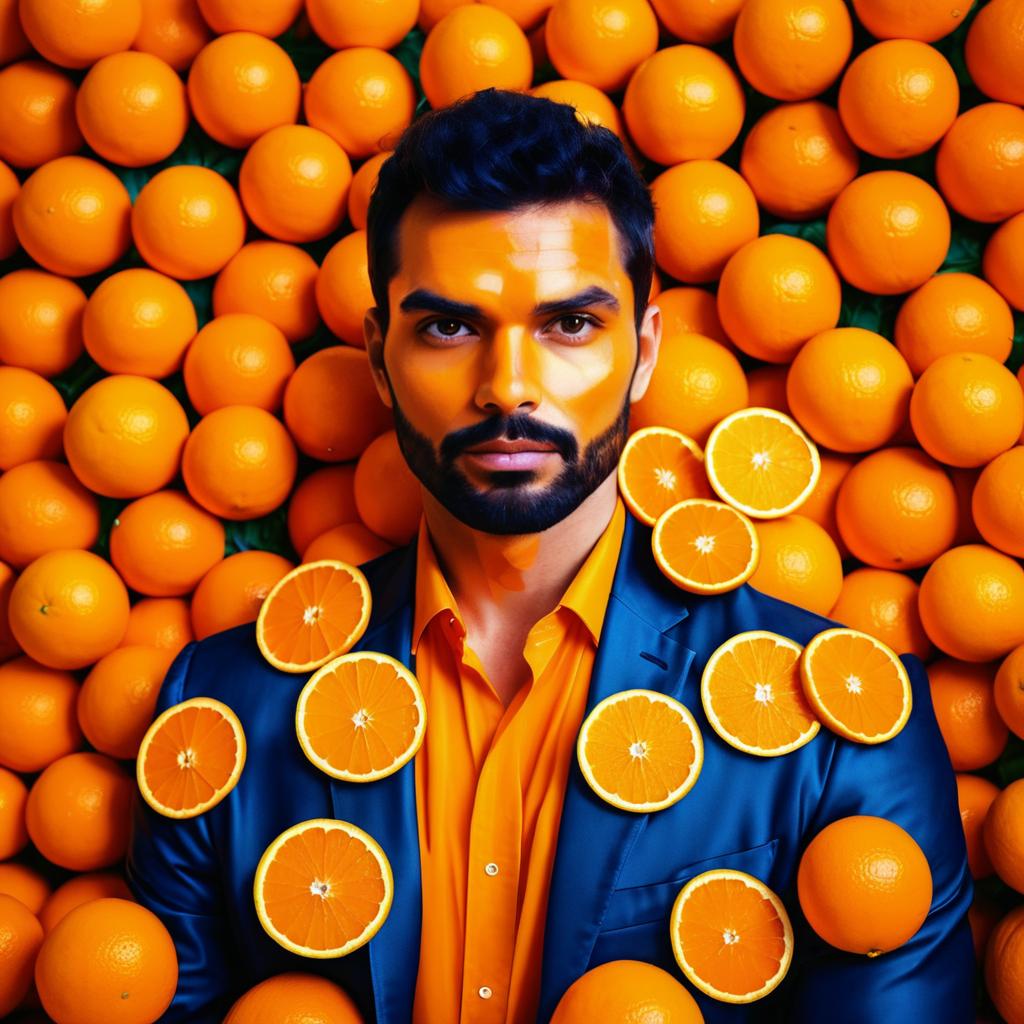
731 935
658 467
753 697
761 462
190 758
705 546
323 888
312 614
856 684
361 716
640 750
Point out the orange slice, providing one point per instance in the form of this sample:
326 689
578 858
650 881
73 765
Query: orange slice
312 614
753 697
761 462
323 888
361 716
640 750
704 546
856 684
190 757
658 467
731 935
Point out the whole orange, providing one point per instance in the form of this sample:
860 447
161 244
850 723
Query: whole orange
691 311
68 608
926 20
294 998
1009 691
343 292
81 889
349 542
1004 835
821 503
159 622
1002 269
883 603
37 114
21 935
388 494
266 17
799 563
25 884
975 796
776 292
698 21
77 33
997 504
9 186
380 23
13 797
323 499
363 183
172 30
232 592
1004 952
994 50
32 416
40 321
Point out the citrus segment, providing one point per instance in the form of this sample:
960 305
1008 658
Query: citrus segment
659 467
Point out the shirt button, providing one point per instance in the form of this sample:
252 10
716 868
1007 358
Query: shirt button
451 620
491 869
484 992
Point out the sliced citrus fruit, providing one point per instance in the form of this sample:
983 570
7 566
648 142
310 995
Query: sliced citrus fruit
856 684
312 614
323 888
704 546
640 750
731 935
753 697
190 757
761 462
659 467
361 716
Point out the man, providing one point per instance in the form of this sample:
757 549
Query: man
511 256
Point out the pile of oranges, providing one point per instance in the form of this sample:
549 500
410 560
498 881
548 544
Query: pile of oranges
186 409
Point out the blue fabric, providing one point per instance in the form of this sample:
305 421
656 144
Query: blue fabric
616 873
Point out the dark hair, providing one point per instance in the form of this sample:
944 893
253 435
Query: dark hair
496 150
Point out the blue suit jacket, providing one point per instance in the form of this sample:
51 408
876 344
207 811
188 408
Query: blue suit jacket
615 873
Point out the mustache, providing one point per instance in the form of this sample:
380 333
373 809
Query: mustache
516 427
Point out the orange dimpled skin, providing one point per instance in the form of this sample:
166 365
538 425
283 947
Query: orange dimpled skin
79 889
975 796
21 936
1003 953
994 50
77 33
343 292
926 20
997 503
380 23
294 998
173 30
1009 691
266 17
37 114
1002 268
40 322
32 416
232 592
698 21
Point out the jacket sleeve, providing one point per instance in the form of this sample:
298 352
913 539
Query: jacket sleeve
172 870
909 780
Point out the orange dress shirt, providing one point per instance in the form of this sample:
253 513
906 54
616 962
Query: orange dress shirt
490 782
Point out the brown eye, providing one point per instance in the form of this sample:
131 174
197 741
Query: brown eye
443 325
579 321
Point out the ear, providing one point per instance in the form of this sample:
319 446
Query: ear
374 340
648 342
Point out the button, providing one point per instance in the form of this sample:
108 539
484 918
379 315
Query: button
484 992
491 869
451 620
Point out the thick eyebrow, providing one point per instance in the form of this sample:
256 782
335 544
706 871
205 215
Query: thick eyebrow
424 299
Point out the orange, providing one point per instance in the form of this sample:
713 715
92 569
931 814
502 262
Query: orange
821 502
78 811
163 544
659 467
131 108
1009 691
139 321
44 507
172 30
8 645
590 103
124 436
898 98
432 11
13 41
346 542
13 797
896 509
9 186
159 622
32 416
775 293
38 722
994 50
363 98
966 409
68 609
238 359
40 321
975 796
37 114
997 504
698 21
187 222
731 935
705 547
232 592
271 280
294 998
72 215
294 183
751 692
704 212
331 405
1004 834
864 884
241 85
363 183
388 494
361 717
380 23
966 711
78 33
81 889
323 499
266 17
888 232
626 990
690 311
308 874
118 697
797 158
190 757
21 935
926 20
683 103
475 47
980 163
792 50
109 959
1001 267
239 462
1003 952
313 614
953 313
527 14
25 884
343 293
799 563
883 603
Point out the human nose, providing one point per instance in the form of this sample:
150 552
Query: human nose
509 381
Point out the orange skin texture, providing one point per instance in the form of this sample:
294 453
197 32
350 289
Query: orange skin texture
1002 268
37 114
13 41
32 415
13 797
591 104
232 592
363 183
388 495
799 563
998 502
1009 691
626 990
323 499
380 23
527 14
910 19
348 542
41 326
975 796
293 998
1004 952
8 646
995 51
159 622
1004 834
966 712
25 884
81 889
342 289
9 186
173 30
699 21
821 503
21 936
691 311
79 33
432 11
265 17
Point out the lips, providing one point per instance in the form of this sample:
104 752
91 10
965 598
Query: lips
509 447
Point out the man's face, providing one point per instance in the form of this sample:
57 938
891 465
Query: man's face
511 358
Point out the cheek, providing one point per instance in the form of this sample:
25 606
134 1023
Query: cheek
590 383
433 387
